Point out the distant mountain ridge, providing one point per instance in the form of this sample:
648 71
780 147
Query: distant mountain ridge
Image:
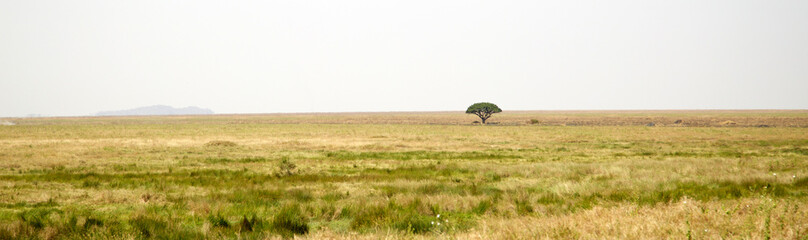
157 110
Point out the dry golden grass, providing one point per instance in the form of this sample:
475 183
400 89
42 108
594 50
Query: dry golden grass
604 175
689 118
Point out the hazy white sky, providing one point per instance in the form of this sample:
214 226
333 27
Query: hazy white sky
80 57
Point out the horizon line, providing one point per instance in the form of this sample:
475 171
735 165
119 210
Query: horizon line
428 111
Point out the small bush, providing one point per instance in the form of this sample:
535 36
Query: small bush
290 221
534 121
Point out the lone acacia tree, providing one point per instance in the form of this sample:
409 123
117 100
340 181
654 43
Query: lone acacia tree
484 110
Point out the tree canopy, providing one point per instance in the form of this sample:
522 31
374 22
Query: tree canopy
484 110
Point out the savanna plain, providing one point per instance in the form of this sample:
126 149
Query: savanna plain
528 175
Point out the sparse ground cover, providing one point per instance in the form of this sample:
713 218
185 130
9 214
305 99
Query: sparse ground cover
408 175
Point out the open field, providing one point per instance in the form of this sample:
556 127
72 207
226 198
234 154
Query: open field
575 174
690 118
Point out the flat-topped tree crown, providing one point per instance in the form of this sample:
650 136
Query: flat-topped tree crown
484 110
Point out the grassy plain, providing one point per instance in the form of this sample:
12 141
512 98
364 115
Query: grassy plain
588 175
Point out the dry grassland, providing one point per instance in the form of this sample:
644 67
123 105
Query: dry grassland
567 175
689 118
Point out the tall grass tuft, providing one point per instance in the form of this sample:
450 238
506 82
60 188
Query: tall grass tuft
370 216
148 226
217 220
482 207
523 206
249 224
412 222
286 167
289 221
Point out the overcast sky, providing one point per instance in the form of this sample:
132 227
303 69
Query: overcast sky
79 57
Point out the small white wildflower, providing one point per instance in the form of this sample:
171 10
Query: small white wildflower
433 222
705 230
775 174
438 223
793 176
447 221
438 215
685 202
747 205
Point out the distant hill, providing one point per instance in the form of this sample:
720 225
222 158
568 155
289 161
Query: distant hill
157 110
